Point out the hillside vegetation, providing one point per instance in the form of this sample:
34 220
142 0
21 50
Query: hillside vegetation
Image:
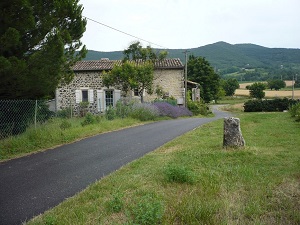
242 61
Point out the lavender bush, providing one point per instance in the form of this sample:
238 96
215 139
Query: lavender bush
166 109
144 111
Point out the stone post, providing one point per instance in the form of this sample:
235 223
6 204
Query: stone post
232 133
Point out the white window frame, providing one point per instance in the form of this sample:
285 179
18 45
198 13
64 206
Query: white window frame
78 95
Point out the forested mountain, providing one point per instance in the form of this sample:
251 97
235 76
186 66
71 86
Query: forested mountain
243 61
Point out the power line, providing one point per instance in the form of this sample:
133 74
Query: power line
95 21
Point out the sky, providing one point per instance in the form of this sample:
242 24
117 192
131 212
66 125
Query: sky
184 24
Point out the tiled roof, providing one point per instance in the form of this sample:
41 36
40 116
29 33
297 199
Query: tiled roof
105 64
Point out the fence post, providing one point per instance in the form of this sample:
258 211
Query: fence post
35 114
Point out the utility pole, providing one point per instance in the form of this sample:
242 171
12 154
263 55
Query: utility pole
293 87
185 79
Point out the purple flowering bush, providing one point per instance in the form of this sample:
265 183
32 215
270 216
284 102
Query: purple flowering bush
166 109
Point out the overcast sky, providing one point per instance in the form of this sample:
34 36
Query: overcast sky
181 24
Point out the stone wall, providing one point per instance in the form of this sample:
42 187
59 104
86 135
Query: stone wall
65 95
170 81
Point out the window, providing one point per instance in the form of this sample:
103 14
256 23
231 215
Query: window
136 92
109 98
85 95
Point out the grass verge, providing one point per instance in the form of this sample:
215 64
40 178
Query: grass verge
56 132
193 180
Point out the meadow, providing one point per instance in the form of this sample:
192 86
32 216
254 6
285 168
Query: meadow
194 180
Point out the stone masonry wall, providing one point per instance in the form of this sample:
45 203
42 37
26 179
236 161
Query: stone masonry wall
65 95
170 80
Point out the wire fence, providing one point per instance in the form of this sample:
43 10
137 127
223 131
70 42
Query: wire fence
17 115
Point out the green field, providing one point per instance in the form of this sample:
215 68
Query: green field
193 180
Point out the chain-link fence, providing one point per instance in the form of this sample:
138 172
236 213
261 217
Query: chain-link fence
17 115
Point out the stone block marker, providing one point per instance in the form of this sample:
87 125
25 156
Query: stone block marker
232 133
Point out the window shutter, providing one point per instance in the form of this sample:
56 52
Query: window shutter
77 96
100 101
117 96
91 96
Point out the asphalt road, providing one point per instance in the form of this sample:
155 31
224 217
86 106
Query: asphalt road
33 184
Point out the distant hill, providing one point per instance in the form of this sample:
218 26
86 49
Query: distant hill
223 56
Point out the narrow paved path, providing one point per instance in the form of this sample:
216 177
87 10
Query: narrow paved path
30 185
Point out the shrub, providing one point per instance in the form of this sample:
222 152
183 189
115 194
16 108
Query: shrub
144 111
294 110
110 113
198 108
274 105
122 109
88 119
65 124
166 109
64 113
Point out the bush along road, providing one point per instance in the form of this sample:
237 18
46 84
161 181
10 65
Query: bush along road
30 185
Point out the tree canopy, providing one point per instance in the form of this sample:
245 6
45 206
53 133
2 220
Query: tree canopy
199 70
230 86
257 90
38 44
276 84
134 75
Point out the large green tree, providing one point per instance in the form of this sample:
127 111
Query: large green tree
257 90
229 86
38 44
137 70
276 84
199 70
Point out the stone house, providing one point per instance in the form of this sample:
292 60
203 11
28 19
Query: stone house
87 85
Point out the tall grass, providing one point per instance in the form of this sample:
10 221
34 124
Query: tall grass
58 131
255 185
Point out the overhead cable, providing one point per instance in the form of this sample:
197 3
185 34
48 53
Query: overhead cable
95 21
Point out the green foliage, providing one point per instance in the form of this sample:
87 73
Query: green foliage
83 108
196 107
257 90
144 112
230 86
136 51
294 110
276 84
64 113
148 210
110 113
199 70
274 105
65 124
130 76
88 119
116 204
38 46
179 174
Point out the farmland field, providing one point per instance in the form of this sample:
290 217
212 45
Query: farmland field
242 91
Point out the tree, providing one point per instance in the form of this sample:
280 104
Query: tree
130 76
276 84
200 71
137 70
257 90
38 44
230 86
136 51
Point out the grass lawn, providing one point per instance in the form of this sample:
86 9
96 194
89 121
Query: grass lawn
193 180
